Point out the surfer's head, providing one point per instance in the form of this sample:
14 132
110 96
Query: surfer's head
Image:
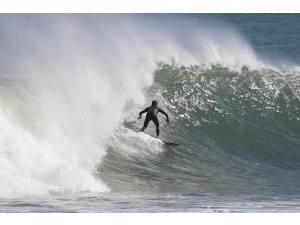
154 103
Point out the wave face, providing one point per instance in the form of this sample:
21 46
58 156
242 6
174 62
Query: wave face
239 132
252 113
71 86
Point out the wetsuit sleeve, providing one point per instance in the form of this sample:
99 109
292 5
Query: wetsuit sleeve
163 112
145 110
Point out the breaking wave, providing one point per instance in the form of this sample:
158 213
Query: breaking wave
71 86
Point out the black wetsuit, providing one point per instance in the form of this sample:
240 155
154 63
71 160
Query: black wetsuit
151 115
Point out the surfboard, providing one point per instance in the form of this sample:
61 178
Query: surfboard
168 143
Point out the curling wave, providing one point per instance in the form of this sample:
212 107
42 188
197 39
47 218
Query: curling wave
239 132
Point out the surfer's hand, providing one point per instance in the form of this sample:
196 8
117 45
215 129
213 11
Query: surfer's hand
168 121
140 117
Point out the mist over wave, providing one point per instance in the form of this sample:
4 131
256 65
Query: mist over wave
69 81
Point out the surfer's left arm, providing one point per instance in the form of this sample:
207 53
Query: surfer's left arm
166 115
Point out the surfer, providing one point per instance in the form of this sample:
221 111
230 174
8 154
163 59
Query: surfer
152 115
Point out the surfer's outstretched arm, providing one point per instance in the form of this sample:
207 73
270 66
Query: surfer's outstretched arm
163 112
142 112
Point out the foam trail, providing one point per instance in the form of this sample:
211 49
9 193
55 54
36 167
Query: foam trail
80 71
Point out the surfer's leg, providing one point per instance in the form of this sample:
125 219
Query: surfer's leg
146 122
156 122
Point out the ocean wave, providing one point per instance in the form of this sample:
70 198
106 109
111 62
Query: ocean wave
68 82
238 131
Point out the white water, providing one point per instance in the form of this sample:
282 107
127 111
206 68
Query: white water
82 70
